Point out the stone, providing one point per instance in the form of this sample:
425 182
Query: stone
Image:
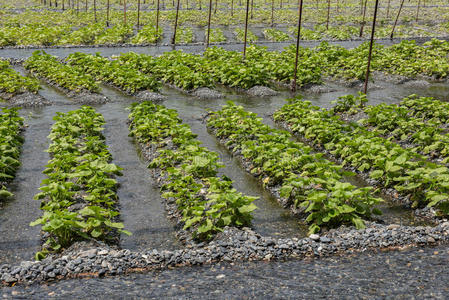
314 237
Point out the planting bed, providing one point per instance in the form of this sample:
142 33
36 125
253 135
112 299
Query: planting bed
193 157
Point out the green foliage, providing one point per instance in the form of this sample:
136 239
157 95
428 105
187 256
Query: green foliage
147 35
393 166
44 65
84 36
207 202
215 36
240 35
123 76
303 178
117 34
78 196
184 35
275 35
10 144
13 83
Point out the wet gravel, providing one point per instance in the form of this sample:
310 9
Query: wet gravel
206 93
230 245
408 274
25 99
261 91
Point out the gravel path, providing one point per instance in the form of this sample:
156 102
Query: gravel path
409 274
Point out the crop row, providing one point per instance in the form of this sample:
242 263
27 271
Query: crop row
301 178
399 124
219 66
427 108
207 203
79 194
44 65
12 82
262 67
122 76
409 173
10 144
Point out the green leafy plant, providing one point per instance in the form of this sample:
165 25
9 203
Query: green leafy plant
78 196
10 144
207 202
303 179
44 65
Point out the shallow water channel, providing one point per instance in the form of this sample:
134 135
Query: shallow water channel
141 206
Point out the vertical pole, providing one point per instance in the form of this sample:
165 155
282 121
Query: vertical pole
365 87
252 8
208 23
232 8
272 13
363 19
388 9
176 24
215 8
417 10
107 14
95 10
157 21
293 87
246 29
396 20
77 7
63 6
138 14
328 13
124 12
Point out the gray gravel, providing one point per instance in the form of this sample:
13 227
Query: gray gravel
150 96
25 99
206 93
417 83
409 274
261 91
230 245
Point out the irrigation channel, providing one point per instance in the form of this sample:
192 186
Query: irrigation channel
143 213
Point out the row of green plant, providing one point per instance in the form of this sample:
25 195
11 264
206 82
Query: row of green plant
424 182
12 82
206 201
10 144
216 35
186 71
275 35
347 13
44 65
184 35
395 122
147 35
405 58
304 179
79 199
427 108
117 34
240 35
123 76
133 72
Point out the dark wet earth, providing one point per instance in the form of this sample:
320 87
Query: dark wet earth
408 274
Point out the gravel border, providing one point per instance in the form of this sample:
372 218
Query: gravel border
230 245
26 99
